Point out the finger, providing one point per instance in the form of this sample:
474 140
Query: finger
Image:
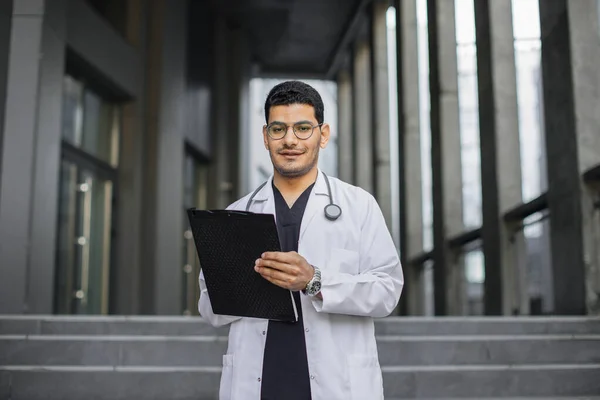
283 267
273 273
287 257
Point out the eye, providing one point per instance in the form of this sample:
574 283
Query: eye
277 129
303 128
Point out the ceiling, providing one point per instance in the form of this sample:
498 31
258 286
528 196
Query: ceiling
295 37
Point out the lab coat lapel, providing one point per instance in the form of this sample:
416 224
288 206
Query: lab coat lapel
316 203
264 201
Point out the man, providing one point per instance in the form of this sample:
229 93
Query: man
342 268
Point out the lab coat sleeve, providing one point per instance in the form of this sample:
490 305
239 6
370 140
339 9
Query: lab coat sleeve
204 306
206 311
375 290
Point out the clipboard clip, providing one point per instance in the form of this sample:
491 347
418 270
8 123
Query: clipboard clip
194 211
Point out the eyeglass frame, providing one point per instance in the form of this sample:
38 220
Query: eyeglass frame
287 128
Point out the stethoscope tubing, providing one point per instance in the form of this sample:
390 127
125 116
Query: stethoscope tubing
332 210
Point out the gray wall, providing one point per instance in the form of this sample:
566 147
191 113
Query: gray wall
106 52
184 91
167 126
200 90
163 76
19 140
34 102
5 28
47 160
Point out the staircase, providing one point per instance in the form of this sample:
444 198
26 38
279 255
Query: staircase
138 358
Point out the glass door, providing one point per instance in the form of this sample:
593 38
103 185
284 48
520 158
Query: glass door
195 195
84 241
87 192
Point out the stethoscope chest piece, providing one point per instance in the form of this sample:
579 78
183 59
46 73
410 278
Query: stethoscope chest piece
332 212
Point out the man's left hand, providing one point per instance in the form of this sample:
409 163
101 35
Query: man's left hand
288 270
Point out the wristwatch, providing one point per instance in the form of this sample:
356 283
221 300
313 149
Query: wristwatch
313 287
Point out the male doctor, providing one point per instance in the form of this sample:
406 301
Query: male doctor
339 261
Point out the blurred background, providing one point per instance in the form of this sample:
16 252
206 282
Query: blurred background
475 125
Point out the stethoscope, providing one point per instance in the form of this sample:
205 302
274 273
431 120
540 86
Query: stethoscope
332 210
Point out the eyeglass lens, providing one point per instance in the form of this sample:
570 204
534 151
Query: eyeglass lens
302 130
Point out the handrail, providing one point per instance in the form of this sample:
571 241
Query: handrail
455 242
464 238
592 175
516 214
522 211
420 258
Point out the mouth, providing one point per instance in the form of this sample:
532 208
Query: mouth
290 154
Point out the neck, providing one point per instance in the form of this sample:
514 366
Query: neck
295 185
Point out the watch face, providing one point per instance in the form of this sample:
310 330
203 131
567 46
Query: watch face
316 287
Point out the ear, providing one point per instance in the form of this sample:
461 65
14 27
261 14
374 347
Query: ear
265 137
325 134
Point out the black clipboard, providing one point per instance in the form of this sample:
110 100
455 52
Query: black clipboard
228 243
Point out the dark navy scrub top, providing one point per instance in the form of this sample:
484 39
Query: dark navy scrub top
285 366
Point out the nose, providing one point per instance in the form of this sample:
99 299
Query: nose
290 137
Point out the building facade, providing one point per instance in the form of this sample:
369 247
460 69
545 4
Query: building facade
117 116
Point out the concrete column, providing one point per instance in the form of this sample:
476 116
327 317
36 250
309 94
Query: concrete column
363 116
500 149
47 161
5 29
219 178
345 132
168 286
445 145
570 59
239 131
165 151
18 155
231 123
586 78
411 199
128 277
381 110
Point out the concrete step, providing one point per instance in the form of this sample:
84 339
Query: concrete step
476 381
488 350
208 350
113 350
487 325
437 382
107 325
187 326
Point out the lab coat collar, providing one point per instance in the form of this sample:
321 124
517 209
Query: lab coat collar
315 202
266 193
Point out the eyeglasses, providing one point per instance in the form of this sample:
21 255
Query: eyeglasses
302 130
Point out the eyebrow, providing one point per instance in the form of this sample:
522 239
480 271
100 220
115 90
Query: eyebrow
297 122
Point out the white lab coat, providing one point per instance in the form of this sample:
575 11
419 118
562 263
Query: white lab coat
361 279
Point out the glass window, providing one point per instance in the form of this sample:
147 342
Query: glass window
468 100
393 120
526 32
195 194
424 123
86 196
475 281
89 122
536 278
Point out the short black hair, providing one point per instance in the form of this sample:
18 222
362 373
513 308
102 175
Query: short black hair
295 92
